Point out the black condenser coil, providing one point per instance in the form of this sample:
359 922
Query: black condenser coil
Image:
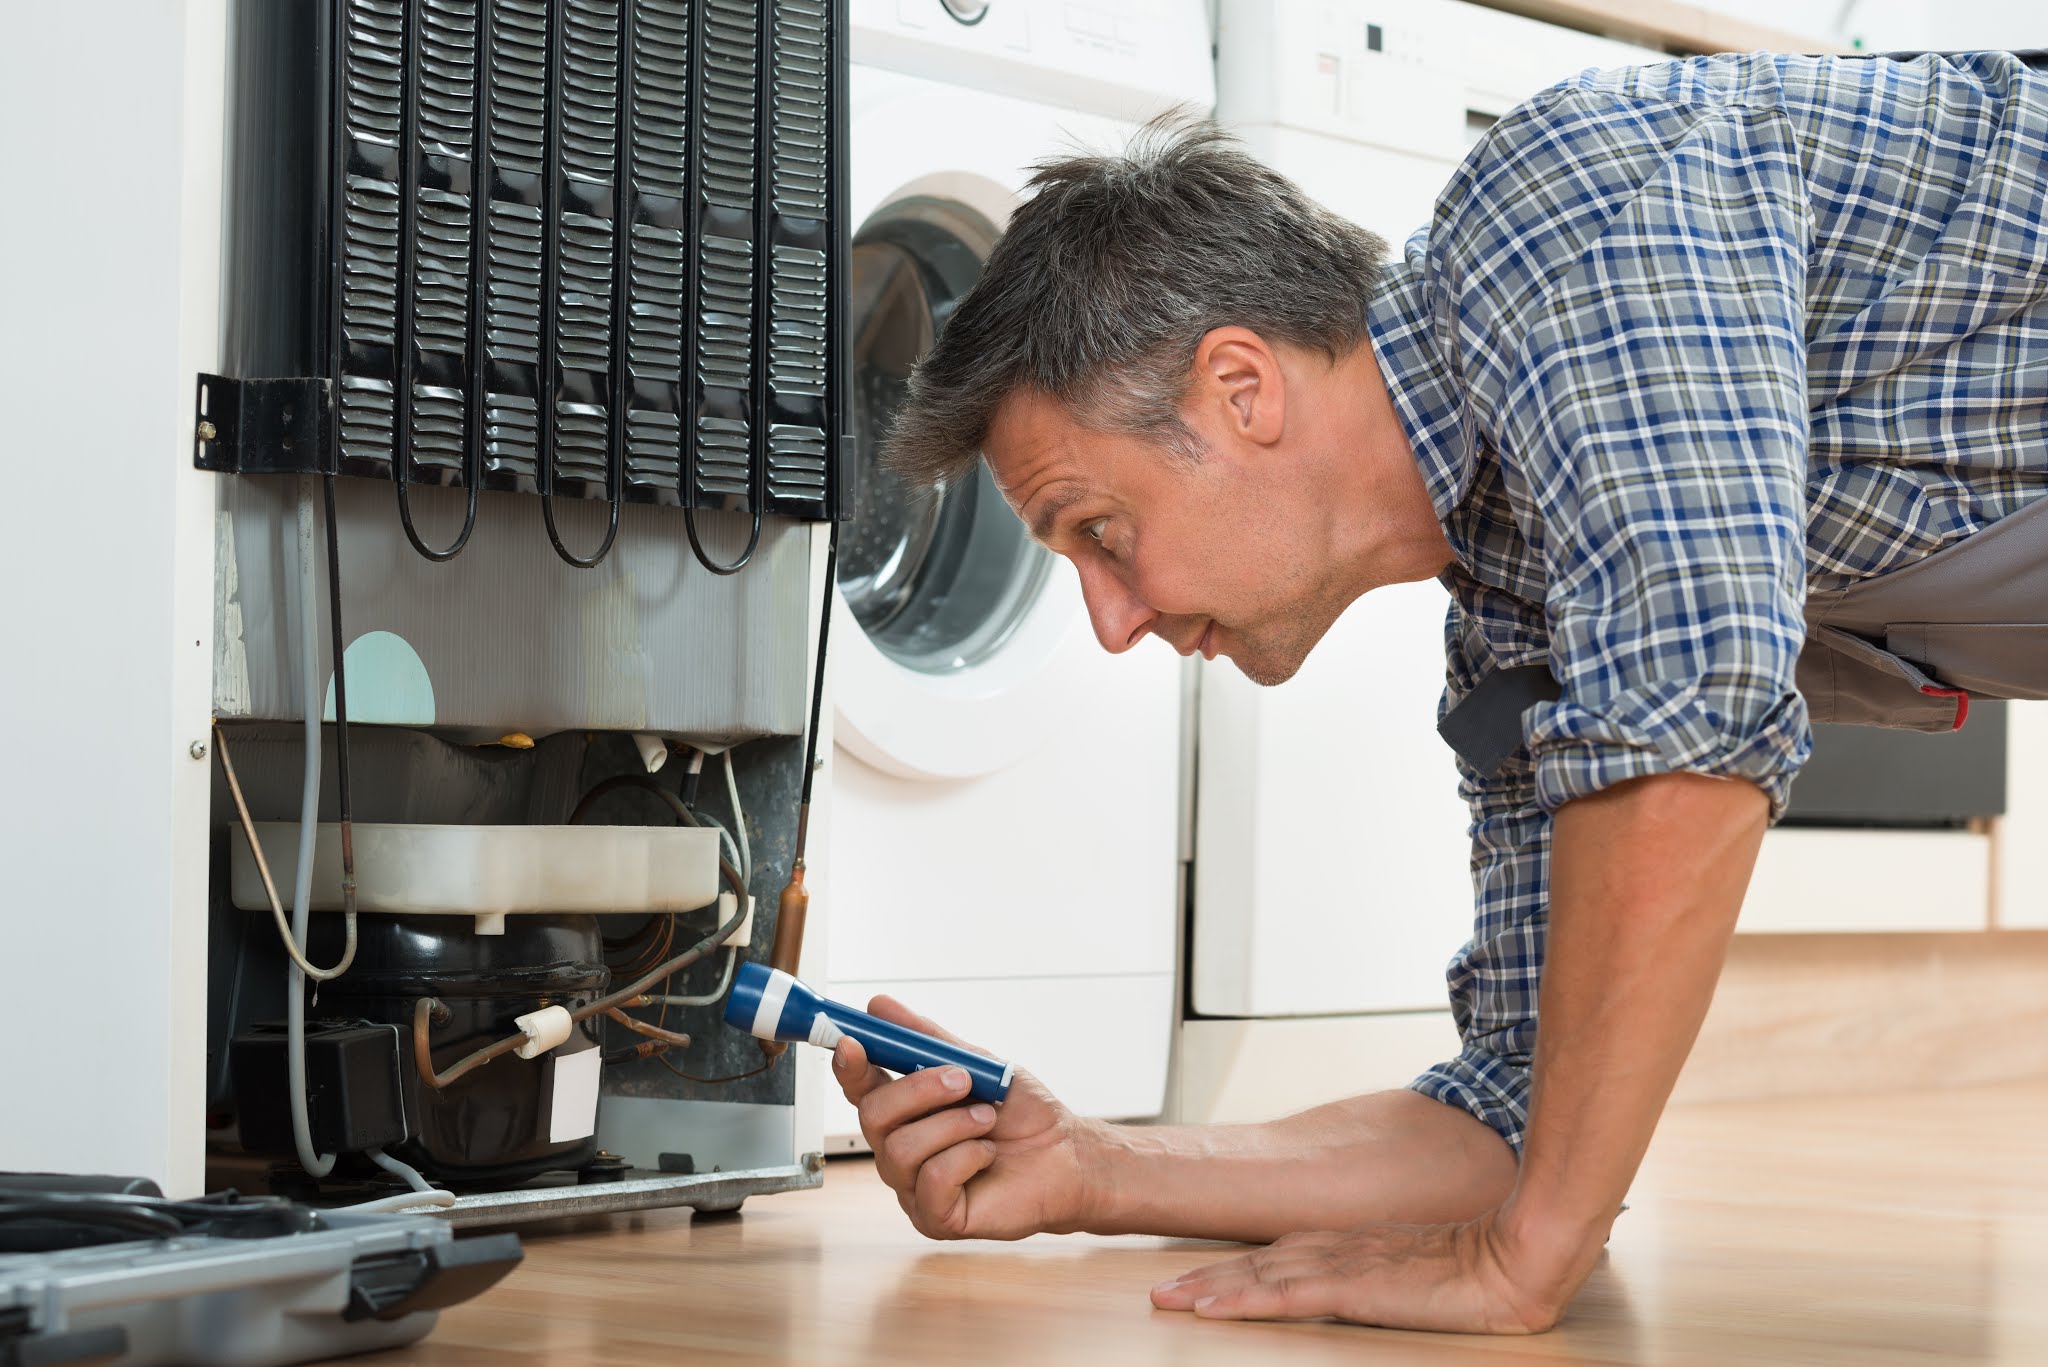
569 248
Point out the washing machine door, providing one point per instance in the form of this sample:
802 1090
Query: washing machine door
953 616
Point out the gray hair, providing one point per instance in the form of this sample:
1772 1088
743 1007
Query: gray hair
1108 276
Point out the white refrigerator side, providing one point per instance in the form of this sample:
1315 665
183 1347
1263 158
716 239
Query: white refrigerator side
110 126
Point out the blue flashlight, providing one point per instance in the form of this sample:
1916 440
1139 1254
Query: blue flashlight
769 1004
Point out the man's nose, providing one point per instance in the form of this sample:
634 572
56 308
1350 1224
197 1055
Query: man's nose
1120 619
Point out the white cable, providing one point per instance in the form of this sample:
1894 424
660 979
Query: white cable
404 1200
410 1175
317 1165
739 821
725 836
284 927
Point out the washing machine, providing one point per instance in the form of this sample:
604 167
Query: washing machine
1006 828
1331 872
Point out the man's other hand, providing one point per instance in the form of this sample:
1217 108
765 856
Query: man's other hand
961 1169
1461 1278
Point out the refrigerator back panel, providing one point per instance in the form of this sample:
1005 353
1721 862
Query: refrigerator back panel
585 249
560 286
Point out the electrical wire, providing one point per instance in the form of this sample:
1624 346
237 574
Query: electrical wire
137 1221
404 1200
715 1081
153 1217
732 849
316 1164
423 1193
803 821
335 634
284 929
739 821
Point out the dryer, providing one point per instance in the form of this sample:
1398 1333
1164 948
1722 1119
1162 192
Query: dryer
1005 834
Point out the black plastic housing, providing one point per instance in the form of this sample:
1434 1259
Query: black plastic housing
355 1098
587 248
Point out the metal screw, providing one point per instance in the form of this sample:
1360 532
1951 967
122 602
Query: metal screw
207 431
199 749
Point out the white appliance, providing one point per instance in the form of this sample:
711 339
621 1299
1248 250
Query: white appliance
1331 877
1005 829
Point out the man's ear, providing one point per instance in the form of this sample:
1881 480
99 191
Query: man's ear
1238 375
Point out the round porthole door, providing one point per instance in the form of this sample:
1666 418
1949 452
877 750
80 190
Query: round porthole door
952 620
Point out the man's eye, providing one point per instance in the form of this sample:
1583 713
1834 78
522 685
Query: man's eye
1093 531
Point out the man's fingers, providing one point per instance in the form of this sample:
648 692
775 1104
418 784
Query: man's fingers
884 1108
905 1152
851 1069
1182 1293
941 1187
1287 1259
1283 1298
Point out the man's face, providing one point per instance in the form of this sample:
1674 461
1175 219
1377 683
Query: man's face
1224 555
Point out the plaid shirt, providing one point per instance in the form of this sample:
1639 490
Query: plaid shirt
1679 343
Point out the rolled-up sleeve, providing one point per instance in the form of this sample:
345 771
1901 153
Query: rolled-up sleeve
1655 417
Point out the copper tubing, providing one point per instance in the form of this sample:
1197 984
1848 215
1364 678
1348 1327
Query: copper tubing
674 966
423 1011
790 915
651 1031
426 1007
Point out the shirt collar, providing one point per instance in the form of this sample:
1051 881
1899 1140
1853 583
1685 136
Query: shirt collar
1425 396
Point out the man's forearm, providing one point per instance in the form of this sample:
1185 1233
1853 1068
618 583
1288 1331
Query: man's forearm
1646 880
1388 1156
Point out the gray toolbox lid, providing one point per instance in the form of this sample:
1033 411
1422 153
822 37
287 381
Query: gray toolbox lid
356 1283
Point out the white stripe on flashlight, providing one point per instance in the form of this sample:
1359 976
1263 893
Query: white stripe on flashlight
774 995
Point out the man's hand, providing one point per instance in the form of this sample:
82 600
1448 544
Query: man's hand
967 1171
1460 1278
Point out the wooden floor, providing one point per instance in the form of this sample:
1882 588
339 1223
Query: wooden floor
1907 1228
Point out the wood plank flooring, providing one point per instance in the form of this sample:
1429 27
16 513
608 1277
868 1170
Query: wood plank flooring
1896 1228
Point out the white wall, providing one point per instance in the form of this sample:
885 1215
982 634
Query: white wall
1989 23
1892 25
110 135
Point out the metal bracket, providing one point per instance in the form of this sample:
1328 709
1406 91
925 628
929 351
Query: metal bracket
261 427
558 1195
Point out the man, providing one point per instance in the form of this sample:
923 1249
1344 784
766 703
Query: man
1709 387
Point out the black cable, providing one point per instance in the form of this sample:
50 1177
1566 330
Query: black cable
336 637
818 682
713 1081
147 1224
71 1218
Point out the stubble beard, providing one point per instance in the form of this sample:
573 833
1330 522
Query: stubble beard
1277 654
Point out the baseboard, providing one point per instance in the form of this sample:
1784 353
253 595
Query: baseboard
1794 1015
